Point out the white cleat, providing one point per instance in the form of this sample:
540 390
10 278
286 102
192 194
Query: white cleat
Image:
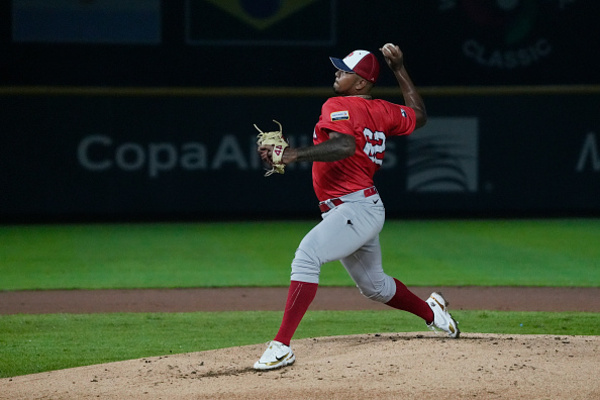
442 319
277 355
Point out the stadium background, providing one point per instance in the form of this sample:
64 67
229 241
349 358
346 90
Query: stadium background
143 109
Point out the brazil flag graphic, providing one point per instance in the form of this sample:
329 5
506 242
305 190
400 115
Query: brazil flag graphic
261 22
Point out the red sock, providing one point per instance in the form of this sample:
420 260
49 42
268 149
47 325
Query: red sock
300 295
406 300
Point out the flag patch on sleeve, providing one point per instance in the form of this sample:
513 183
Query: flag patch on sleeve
339 115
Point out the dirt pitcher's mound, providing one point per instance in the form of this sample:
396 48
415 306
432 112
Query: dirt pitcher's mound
386 366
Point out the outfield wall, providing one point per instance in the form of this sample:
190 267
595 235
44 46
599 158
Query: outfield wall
143 109
106 154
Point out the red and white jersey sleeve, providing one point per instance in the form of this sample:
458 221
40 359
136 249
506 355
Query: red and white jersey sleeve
371 122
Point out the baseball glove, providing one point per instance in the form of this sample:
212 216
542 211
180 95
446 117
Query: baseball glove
276 139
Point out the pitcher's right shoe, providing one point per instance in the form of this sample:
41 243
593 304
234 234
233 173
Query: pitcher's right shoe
442 319
277 355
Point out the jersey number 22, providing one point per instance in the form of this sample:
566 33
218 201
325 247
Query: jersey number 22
375 145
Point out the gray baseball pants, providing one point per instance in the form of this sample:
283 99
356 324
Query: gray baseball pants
349 233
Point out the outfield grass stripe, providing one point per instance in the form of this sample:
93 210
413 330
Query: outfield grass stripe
555 252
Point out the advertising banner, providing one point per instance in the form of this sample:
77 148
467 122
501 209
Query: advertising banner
151 157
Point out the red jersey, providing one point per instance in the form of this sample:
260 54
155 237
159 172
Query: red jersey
370 122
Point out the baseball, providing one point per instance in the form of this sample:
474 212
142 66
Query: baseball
387 48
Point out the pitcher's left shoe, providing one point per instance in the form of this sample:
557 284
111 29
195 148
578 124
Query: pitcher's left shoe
442 319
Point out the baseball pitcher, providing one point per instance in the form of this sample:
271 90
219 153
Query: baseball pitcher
349 144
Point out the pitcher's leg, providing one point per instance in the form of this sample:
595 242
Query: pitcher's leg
406 300
334 238
365 268
331 239
300 296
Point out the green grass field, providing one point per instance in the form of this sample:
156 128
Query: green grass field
562 252
423 253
